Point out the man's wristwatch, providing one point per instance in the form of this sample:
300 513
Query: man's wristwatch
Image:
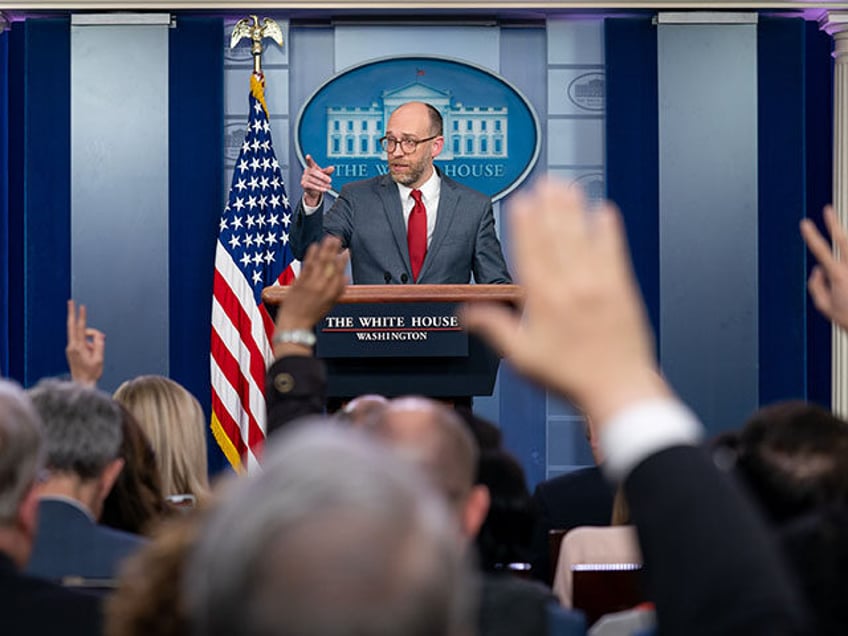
294 336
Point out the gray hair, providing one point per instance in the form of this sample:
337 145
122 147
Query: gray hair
333 538
21 448
82 427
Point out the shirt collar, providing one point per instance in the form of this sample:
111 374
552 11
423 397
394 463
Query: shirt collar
429 189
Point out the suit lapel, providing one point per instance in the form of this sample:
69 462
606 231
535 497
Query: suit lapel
448 201
393 210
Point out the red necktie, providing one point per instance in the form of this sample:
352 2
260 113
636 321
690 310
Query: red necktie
416 234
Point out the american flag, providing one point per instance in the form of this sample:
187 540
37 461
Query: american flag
252 253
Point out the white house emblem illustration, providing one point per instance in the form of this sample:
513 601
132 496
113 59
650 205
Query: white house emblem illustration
477 132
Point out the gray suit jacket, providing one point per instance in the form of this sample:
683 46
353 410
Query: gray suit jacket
368 218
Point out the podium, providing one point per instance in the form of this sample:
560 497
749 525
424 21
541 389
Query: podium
404 339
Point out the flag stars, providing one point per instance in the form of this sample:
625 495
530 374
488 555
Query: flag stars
244 260
235 241
261 220
253 183
266 145
270 238
265 126
223 225
275 183
273 220
286 201
259 240
255 145
257 126
251 202
286 219
257 277
242 166
237 225
251 221
240 185
275 165
264 183
248 240
263 202
238 204
284 237
269 257
275 203
255 164
266 165
257 258
257 106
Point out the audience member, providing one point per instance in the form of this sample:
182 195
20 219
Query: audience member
362 409
503 541
710 563
434 438
29 605
83 433
581 497
333 536
86 347
794 458
296 383
135 503
150 598
174 423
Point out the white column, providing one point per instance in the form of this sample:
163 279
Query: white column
835 23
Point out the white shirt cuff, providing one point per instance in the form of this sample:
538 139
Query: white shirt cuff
310 209
641 430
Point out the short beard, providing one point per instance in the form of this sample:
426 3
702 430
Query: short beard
408 178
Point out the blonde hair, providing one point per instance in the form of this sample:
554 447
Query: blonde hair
174 422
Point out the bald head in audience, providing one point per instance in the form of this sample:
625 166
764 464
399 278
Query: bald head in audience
333 537
435 438
21 458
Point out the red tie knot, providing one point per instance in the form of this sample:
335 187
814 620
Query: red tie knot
416 195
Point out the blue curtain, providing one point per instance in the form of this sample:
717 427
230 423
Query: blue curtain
5 262
196 149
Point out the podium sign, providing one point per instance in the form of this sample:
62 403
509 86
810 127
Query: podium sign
405 339
407 330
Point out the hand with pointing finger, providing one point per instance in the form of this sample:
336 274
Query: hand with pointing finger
315 182
85 349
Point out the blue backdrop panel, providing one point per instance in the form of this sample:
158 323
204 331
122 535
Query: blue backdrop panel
782 268
631 146
520 402
42 196
196 151
819 158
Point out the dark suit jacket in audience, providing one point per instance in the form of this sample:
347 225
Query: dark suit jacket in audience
32 607
295 386
69 543
580 498
711 566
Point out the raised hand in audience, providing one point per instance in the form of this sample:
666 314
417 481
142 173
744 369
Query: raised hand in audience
583 331
321 282
85 349
828 282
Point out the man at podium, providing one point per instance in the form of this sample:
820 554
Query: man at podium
412 225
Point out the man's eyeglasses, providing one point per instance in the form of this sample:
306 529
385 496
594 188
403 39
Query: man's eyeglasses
407 146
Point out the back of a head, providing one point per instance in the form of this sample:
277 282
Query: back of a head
174 423
136 501
794 456
21 448
434 438
82 427
333 538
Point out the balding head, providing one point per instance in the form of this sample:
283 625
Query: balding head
434 438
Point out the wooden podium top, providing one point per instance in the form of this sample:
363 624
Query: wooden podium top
275 295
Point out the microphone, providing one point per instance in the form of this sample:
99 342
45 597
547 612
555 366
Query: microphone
387 277
404 278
